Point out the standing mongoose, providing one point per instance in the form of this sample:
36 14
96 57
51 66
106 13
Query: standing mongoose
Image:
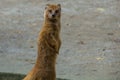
48 45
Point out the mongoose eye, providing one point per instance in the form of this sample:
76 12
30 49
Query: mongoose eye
50 11
56 11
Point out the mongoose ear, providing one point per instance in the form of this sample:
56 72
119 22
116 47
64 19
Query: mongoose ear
47 6
59 5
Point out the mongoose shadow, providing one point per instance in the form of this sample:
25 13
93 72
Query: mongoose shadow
12 76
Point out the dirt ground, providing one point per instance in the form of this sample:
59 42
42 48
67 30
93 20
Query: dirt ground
90 37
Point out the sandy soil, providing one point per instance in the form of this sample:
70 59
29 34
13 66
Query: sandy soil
90 37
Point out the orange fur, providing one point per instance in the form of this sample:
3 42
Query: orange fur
48 45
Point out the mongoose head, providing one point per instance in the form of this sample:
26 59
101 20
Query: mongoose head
52 12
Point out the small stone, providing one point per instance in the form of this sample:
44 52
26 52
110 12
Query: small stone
110 33
117 40
100 58
80 42
68 24
104 49
100 9
31 46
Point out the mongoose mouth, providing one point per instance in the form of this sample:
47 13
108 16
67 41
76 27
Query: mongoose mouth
53 20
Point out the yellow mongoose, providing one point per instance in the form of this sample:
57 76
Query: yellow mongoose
48 45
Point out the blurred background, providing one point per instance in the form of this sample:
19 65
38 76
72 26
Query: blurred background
90 33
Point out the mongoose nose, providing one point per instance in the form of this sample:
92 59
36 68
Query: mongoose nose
53 15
